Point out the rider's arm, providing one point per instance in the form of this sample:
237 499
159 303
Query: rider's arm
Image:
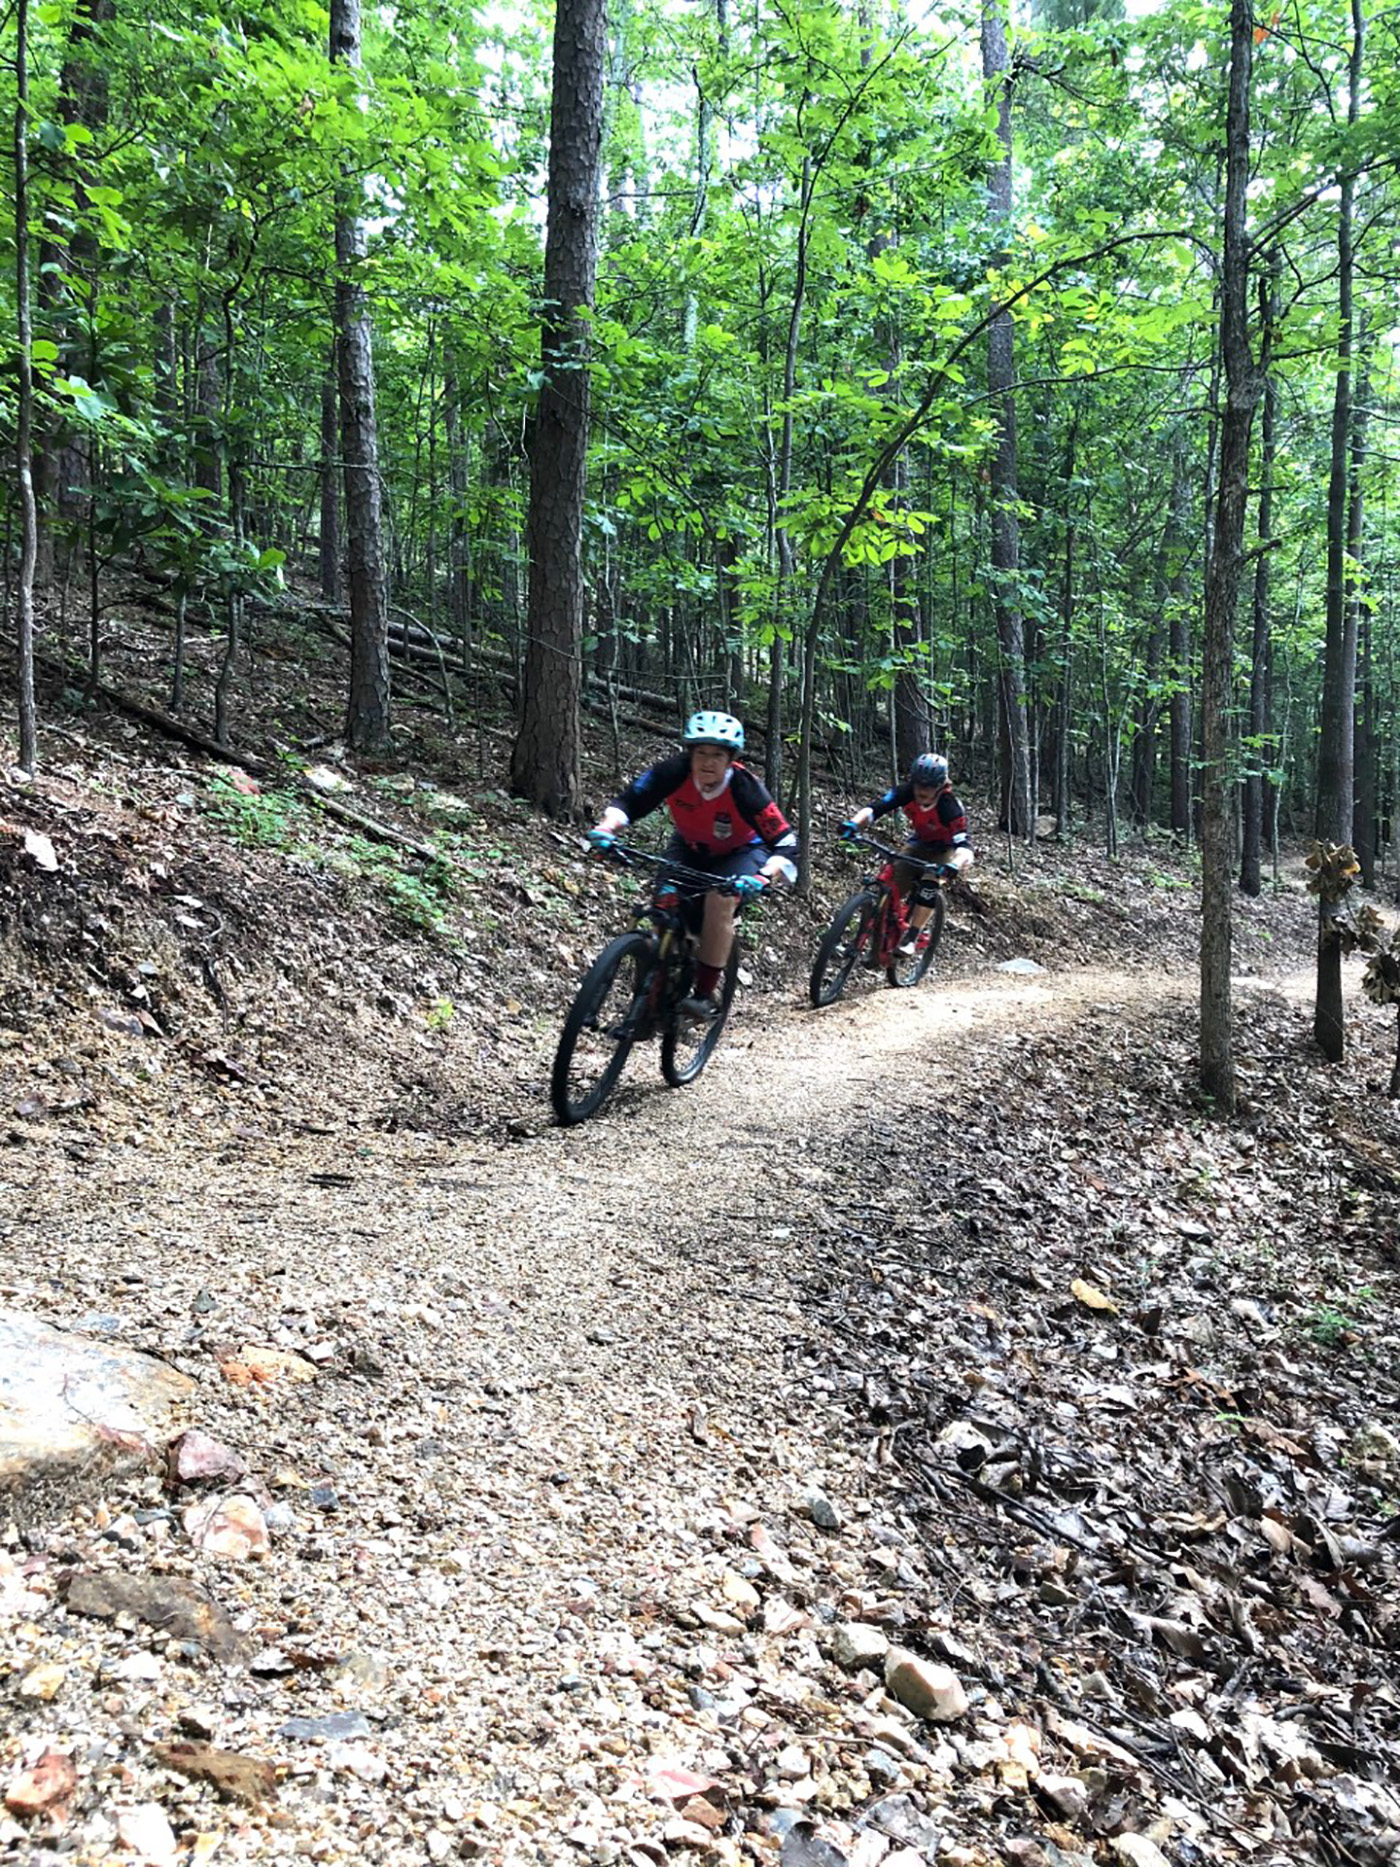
647 791
952 815
895 798
759 811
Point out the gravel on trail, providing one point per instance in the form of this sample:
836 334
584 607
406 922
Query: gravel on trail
548 1548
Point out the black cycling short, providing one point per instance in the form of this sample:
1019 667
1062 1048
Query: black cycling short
746 861
918 884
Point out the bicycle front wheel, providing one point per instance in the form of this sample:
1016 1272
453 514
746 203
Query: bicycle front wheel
849 938
907 970
600 1028
686 1046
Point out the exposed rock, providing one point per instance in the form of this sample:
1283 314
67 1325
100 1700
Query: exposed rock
179 1608
856 1644
231 1527
68 1403
234 1776
1138 1851
930 1691
146 1832
334 1724
44 1788
198 1458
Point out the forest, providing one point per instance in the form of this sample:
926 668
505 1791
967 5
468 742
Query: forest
959 1431
931 381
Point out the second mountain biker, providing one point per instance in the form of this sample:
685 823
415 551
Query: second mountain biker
725 823
938 826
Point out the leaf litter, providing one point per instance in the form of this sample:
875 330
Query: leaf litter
624 1490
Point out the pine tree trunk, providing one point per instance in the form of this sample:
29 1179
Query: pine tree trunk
1363 836
68 262
544 761
367 709
24 408
1243 385
1006 542
1336 746
1179 655
329 476
1252 801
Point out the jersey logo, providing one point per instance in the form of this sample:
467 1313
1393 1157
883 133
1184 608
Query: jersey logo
723 827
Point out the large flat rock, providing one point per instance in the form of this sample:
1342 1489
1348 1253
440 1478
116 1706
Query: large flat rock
69 1404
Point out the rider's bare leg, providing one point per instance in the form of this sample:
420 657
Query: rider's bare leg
717 930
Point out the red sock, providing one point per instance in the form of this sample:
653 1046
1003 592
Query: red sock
706 978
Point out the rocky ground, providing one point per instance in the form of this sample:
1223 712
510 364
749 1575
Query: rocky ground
931 1438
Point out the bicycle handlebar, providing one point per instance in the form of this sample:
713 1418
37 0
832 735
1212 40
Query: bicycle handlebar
700 880
895 855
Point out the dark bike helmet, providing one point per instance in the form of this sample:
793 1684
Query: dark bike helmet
715 729
929 768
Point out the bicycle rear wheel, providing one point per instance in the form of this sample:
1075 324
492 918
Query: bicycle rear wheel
907 971
600 1028
849 938
686 1045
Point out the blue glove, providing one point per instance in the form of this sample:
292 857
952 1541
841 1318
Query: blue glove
601 839
750 885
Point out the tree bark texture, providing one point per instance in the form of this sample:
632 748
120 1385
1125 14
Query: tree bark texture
367 712
1336 745
1006 538
67 282
1243 385
1252 801
544 762
1363 833
329 544
1335 756
24 408
1179 653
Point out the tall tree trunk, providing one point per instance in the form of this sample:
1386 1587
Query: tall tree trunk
1179 650
459 565
1252 802
787 568
544 761
67 281
1060 788
24 408
1244 381
329 477
1006 538
1336 745
1363 835
367 710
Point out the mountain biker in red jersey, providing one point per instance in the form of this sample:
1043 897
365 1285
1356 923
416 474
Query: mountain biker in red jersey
938 824
725 823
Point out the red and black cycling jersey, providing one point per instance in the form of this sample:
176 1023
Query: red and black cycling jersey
740 813
936 824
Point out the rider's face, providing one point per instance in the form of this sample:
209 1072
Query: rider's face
708 764
925 796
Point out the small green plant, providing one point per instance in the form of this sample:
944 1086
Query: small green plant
1083 891
257 819
1163 878
440 1014
1329 1324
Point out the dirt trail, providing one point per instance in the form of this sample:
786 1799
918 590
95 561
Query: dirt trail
559 1380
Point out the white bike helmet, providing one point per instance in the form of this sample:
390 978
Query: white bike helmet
931 769
715 729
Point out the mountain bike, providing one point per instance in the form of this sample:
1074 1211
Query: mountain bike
633 991
869 929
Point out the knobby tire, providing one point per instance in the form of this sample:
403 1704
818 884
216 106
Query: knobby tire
844 943
908 972
686 1046
599 1030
